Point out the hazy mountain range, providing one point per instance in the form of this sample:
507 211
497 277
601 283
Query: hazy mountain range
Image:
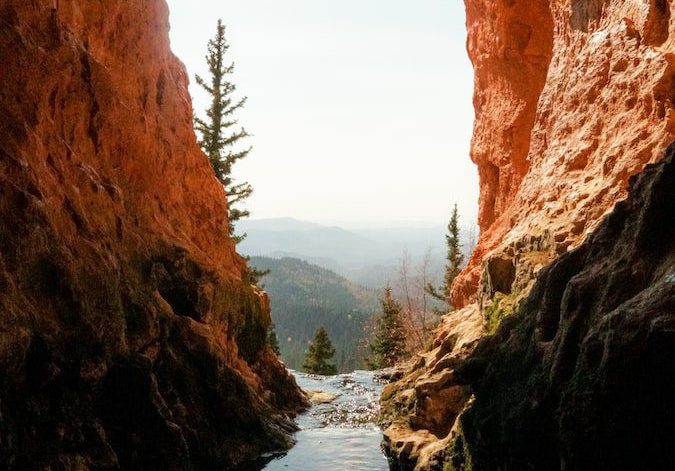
367 256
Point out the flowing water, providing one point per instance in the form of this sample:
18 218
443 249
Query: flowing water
342 434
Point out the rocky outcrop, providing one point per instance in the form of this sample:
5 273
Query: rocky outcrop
420 410
572 97
582 377
130 337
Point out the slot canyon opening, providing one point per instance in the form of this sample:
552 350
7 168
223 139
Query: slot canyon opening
360 127
265 253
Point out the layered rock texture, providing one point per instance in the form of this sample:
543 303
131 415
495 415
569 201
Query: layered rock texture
573 98
130 337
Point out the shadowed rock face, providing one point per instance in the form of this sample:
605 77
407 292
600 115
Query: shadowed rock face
130 338
580 376
583 377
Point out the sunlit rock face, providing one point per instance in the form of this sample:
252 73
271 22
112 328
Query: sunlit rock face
129 336
571 98
420 410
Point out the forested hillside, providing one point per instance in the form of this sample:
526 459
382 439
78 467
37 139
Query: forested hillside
305 296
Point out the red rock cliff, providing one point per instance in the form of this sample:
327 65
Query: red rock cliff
572 97
130 337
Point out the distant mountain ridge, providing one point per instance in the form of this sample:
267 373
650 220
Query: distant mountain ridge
277 224
305 240
367 256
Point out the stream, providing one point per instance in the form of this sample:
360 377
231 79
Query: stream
339 435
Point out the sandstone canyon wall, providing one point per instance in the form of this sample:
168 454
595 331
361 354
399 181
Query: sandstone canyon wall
572 99
130 337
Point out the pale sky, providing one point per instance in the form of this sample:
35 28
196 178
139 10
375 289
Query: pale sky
360 109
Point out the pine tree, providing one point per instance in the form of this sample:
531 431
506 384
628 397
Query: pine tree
219 131
455 258
321 351
388 346
272 339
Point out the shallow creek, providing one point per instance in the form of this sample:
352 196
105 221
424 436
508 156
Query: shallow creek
341 434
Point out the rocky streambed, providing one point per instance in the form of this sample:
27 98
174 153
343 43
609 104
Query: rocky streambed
339 431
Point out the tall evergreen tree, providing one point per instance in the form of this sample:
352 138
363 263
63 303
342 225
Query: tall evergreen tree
219 131
272 339
321 351
388 346
454 258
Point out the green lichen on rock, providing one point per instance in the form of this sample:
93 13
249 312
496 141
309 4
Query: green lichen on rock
502 305
458 456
